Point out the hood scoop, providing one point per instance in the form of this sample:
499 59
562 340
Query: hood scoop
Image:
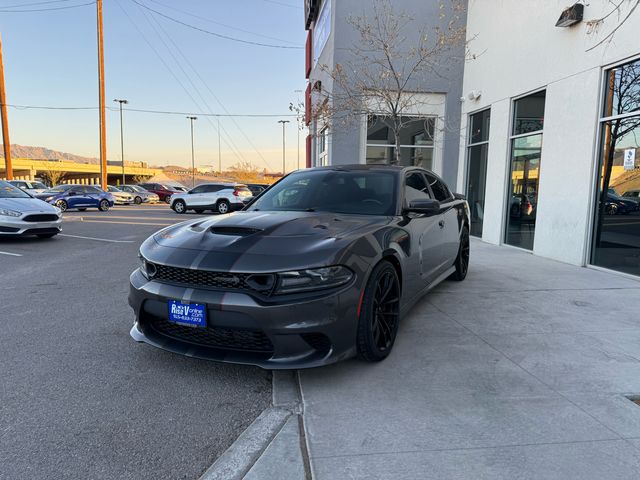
234 231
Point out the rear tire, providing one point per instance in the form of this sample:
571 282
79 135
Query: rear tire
379 314
167 199
104 205
179 206
223 207
462 260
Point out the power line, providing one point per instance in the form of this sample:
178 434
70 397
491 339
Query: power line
283 4
47 9
219 23
35 3
219 35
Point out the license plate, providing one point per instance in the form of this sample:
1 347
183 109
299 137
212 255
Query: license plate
191 314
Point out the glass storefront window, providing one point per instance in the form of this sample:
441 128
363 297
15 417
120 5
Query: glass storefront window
616 242
526 149
416 141
477 153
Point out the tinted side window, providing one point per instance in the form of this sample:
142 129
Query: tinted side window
212 188
199 189
415 187
440 190
92 190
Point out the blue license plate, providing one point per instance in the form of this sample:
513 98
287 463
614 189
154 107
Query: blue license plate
191 314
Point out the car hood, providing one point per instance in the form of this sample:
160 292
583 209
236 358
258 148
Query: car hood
260 241
27 205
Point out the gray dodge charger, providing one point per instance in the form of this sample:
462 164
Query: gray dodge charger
319 268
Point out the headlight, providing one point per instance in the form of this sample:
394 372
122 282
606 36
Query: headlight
313 279
48 199
148 269
9 213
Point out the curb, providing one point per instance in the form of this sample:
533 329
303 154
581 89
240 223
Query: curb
278 431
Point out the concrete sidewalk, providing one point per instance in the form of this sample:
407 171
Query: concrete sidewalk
520 372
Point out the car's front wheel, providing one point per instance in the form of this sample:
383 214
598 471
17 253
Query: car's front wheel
462 260
104 205
137 200
179 206
62 205
379 314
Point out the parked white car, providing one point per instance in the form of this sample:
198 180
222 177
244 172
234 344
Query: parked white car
119 197
22 214
218 197
31 186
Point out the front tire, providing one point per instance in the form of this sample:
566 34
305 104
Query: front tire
462 260
379 314
179 206
62 205
104 205
137 200
223 207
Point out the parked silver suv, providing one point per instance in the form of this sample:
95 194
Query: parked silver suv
217 197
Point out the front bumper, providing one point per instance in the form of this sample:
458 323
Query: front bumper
243 329
10 226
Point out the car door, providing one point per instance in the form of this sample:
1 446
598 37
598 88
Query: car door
210 195
447 220
75 197
425 232
92 196
196 197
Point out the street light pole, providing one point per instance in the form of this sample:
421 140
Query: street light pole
193 161
121 102
284 157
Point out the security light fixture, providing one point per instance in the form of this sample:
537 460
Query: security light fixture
571 15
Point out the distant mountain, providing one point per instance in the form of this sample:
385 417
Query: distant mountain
42 153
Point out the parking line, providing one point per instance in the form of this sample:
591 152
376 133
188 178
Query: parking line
96 239
11 254
131 223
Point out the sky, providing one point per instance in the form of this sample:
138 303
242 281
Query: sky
155 63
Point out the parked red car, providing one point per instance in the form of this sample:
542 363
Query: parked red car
164 192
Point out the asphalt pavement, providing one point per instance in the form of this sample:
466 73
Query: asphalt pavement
78 397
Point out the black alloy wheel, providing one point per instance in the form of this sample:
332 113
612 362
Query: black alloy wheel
462 260
104 205
62 205
379 314
179 206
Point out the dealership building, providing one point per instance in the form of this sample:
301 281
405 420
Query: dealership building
545 113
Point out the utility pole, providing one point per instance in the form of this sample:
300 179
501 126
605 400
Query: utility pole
101 94
193 161
219 149
121 102
6 143
284 155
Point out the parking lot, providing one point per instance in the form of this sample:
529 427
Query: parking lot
81 399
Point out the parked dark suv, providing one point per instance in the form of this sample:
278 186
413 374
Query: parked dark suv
164 192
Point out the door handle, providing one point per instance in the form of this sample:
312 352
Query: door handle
441 223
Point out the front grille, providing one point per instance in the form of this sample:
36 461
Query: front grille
215 280
41 218
9 229
215 337
41 231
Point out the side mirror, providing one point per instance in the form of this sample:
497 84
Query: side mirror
425 206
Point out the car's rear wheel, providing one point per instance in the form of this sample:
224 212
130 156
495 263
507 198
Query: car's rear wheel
104 205
223 207
137 200
462 260
62 205
379 314
167 199
46 235
179 206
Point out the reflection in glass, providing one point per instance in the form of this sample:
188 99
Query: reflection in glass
529 113
617 234
416 140
479 129
477 153
523 191
623 90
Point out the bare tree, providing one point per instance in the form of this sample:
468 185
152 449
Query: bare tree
620 11
53 177
384 68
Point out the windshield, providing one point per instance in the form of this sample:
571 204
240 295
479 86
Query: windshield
38 185
9 191
348 192
58 189
138 189
114 189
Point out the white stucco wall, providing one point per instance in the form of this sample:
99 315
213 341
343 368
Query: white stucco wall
519 50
